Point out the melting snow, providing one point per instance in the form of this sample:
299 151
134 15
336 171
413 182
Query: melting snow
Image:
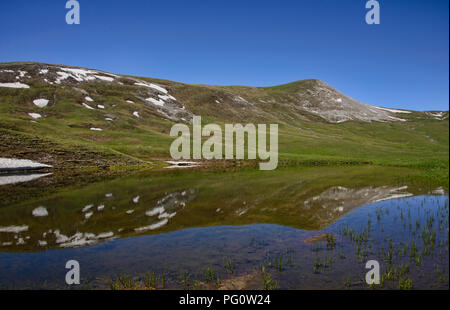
153 226
89 99
42 103
87 208
136 199
156 102
104 78
393 110
9 163
100 106
13 179
87 106
154 86
14 85
35 115
96 129
39 212
14 229
167 97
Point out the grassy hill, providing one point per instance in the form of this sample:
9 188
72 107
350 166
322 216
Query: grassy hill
317 124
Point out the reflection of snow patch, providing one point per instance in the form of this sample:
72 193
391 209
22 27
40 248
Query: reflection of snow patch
14 229
13 179
86 208
153 226
39 212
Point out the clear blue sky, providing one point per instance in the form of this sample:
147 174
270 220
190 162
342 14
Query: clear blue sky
402 63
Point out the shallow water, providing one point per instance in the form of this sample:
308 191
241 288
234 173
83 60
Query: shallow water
189 226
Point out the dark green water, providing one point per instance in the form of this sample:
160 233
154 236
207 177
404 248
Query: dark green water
310 228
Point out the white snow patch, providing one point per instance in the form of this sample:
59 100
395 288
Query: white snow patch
100 106
87 106
104 78
22 73
35 115
14 85
105 235
154 86
14 229
86 208
393 110
153 226
43 71
13 179
136 199
42 103
159 103
88 215
136 113
89 99
10 163
130 212
167 97
96 129
39 212
155 211
129 101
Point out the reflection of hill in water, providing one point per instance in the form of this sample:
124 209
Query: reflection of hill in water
149 203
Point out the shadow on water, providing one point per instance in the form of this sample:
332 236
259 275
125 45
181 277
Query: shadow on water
296 228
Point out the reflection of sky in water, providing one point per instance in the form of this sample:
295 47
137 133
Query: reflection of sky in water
196 248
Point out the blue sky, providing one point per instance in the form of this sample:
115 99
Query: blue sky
401 63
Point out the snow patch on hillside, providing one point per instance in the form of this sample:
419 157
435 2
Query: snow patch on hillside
14 85
42 103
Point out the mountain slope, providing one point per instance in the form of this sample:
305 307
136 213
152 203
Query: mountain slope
127 119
